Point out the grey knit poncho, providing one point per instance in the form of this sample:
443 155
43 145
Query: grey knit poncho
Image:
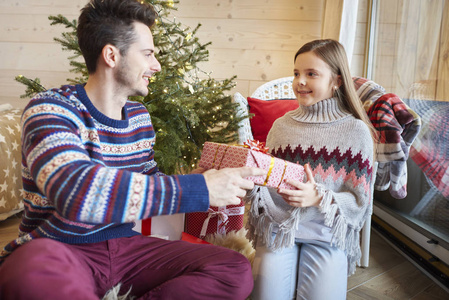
339 149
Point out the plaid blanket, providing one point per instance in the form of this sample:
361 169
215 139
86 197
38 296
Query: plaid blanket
368 91
398 126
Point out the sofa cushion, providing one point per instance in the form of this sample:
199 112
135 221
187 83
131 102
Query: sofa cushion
10 163
266 112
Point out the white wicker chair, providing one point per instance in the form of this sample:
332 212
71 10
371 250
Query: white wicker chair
282 89
276 89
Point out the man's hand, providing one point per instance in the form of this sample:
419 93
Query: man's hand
226 185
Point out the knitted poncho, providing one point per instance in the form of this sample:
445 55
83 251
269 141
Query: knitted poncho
339 149
87 178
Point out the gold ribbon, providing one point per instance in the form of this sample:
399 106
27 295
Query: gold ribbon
224 153
215 156
283 173
272 162
270 170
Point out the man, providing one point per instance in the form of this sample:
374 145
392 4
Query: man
88 173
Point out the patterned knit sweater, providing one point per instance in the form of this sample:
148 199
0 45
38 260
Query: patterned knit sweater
339 149
87 177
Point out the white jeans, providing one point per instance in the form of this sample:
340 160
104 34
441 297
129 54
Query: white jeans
315 269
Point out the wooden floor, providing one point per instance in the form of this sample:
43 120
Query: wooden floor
389 275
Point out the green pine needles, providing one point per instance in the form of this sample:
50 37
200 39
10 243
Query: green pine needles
187 106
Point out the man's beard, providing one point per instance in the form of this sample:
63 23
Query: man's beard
124 80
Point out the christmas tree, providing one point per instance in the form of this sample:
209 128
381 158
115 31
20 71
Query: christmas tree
187 106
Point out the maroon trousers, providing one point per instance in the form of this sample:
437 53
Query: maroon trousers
152 268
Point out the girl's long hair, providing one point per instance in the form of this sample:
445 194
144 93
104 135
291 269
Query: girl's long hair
334 54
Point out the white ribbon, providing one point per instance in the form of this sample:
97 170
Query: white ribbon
223 215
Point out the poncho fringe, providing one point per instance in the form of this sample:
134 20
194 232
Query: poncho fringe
261 227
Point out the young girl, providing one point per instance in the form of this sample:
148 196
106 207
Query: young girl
308 238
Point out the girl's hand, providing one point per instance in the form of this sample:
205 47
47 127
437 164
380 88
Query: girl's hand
305 194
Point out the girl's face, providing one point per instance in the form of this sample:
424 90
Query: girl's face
313 79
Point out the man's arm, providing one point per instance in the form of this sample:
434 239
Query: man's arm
64 157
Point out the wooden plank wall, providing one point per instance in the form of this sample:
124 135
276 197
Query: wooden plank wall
253 39
412 47
27 47
358 55
442 89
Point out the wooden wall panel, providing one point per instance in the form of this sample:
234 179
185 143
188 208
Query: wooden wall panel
411 43
253 39
358 56
27 47
33 56
250 64
407 42
442 92
252 9
428 44
34 28
268 35
332 19
41 7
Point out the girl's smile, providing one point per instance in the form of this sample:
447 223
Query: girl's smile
313 79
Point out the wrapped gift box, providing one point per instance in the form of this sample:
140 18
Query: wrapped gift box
219 156
219 220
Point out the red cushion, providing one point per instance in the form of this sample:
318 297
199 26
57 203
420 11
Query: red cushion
266 112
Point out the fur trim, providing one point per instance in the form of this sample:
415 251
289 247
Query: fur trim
234 240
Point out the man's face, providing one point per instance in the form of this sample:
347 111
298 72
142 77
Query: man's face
136 67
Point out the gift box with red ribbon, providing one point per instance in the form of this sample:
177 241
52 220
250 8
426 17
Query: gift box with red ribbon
219 220
251 154
192 239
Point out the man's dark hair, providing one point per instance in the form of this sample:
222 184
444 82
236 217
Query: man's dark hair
103 22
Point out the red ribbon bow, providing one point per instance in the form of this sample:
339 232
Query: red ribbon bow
256 145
